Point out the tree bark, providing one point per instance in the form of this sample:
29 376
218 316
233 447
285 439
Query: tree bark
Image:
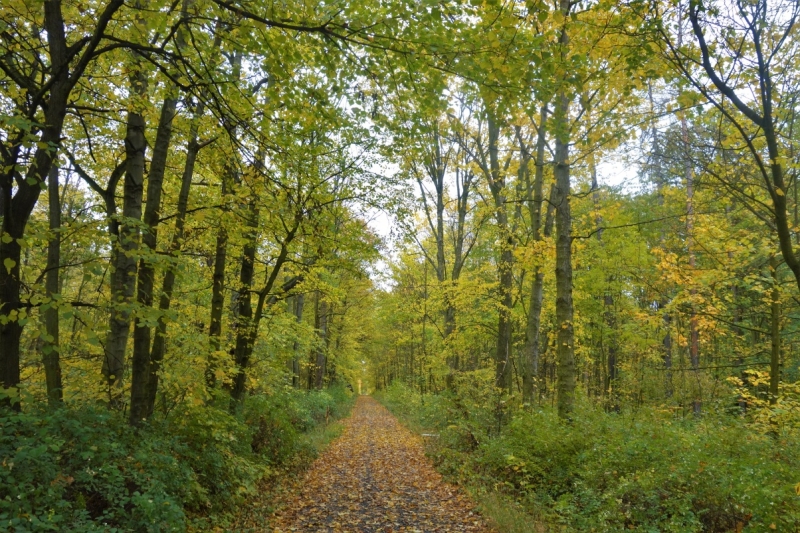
123 282
141 371
18 208
299 302
51 348
464 180
244 320
247 333
229 176
321 325
146 363
168 285
506 259
532 327
775 333
218 289
565 349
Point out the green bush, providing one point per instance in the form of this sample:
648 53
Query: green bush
84 469
217 446
646 472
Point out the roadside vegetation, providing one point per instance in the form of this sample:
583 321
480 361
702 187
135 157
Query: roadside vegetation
637 470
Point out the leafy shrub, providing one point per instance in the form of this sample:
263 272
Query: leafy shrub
85 469
217 446
278 419
606 472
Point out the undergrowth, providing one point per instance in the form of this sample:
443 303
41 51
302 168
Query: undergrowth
277 487
646 470
83 469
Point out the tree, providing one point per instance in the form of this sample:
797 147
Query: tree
38 109
747 49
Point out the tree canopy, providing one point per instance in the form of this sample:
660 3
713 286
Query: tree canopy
590 206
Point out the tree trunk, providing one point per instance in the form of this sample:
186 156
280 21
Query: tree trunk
532 336
229 176
666 345
244 320
51 348
609 319
247 333
299 302
141 367
464 180
160 341
694 334
218 289
321 319
505 262
657 172
123 281
144 358
775 333
565 349
17 209
763 118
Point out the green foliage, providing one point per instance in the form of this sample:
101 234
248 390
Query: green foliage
279 419
218 449
88 470
644 471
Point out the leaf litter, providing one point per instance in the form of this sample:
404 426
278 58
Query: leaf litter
376 478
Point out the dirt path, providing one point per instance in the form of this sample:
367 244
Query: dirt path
376 478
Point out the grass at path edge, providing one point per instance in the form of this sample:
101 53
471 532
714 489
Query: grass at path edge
500 511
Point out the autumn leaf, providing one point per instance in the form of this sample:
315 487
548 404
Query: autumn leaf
375 477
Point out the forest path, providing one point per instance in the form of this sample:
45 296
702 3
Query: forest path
375 478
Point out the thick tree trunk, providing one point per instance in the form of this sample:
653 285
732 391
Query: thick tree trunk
18 208
146 363
141 370
505 261
51 348
123 282
532 327
244 321
218 291
565 349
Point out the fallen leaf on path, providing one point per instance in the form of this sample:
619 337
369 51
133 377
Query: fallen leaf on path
375 477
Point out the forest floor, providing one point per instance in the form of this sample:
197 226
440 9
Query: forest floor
375 478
